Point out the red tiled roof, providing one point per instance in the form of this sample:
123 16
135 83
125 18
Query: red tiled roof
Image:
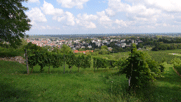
76 51
44 41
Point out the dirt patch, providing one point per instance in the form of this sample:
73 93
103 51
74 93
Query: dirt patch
16 59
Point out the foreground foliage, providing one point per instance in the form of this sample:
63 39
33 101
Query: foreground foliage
177 64
45 58
140 69
87 85
13 21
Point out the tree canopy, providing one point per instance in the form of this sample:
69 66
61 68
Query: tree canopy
140 68
104 47
65 49
13 21
32 46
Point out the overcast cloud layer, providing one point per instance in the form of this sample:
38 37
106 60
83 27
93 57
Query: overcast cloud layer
103 16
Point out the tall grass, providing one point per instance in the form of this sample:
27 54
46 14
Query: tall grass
56 86
165 89
104 85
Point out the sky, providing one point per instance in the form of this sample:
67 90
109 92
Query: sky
103 16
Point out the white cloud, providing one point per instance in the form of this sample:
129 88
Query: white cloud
36 15
49 9
87 17
45 27
33 1
136 9
121 22
86 24
110 12
70 18
67 18
104 20
86 20
72 3
130 15
90 25
139 12
167 5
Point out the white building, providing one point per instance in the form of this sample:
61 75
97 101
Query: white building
123 44
89 46
83 47
122 41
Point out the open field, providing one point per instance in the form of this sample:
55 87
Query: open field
176 54
156 55
164 55
103 85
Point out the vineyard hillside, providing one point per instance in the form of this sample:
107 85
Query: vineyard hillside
86 85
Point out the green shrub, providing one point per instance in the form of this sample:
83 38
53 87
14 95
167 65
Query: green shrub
162 67
140 68
177 64
103 51
10 52
120 63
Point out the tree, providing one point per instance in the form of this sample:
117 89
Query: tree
104 47
48 60
140 45
23 43
56 50
103 51
177 64
65 49
139 69
32 59
13 21
100 63
48 48
79 61
70 60
32 46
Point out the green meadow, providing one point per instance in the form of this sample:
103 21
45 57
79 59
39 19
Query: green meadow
103 85
159 56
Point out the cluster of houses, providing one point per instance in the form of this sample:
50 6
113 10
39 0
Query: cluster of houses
77 43
47 42
122 43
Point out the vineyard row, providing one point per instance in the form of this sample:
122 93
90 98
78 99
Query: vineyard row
44 58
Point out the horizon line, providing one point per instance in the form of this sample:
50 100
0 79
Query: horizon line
105 33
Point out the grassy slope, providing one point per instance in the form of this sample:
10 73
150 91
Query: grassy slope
102 85
83 86
159 55
170 86
166 89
